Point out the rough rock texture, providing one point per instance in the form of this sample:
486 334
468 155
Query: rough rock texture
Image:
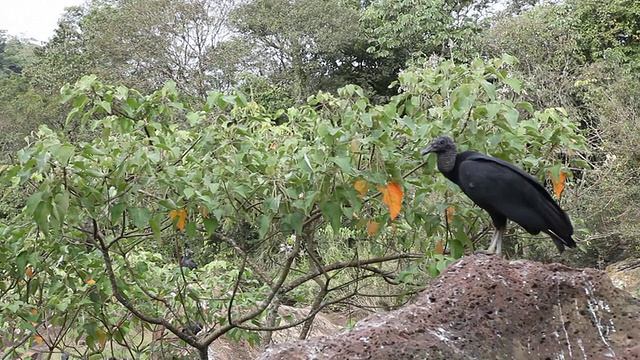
626 275
483 307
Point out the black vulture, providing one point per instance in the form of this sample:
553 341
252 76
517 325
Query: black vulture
505 192
187 261
192 328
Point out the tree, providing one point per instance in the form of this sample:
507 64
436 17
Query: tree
296 42
581 55
88 242
15 54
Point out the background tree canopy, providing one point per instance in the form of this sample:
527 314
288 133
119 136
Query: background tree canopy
280 140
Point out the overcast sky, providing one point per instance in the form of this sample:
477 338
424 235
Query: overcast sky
32 18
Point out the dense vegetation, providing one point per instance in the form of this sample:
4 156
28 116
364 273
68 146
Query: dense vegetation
280 140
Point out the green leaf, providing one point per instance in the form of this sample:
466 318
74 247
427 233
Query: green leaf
515 84
33 201
21 262
343 162
156 227
210 225
105 105
140 216
116 212
265 225
61 202
41 215
191 229
63 154
332 212
305 164
457 250
294 221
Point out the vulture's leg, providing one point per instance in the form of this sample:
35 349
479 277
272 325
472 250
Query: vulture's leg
496 243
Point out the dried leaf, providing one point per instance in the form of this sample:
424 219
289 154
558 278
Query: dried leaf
361 186
558 184
181 214
355 145
439 247
203 211
449 213
372 228
392 197
102 337
29 272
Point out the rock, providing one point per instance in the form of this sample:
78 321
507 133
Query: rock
626 275
484 307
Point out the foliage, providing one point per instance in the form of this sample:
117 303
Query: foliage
304 40
15 54
158 166
582 55
409 28
606 26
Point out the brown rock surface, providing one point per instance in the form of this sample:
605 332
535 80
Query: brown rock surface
484 307
626 275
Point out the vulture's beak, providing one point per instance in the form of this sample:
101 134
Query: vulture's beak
427 150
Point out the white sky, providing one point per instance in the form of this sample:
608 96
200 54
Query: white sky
33 18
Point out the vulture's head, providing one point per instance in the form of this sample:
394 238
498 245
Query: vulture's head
439 145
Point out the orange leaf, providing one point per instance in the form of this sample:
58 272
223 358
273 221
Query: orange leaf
39 340
558 184
181 214
439 247
372 228
449 213
29 272
361 186
392 197
91 281
34 311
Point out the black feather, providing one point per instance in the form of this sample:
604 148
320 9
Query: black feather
504 191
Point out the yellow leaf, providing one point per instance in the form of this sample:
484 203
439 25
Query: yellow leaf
181 214
439 247
392 197
558 184
361 186
449 213
39 340
29 272
91 281
372 228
